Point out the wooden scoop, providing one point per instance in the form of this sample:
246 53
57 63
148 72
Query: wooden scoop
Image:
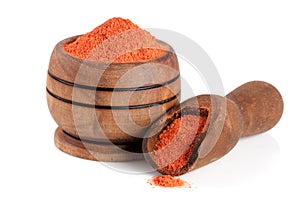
252 108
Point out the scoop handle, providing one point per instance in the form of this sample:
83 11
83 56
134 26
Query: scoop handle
260 104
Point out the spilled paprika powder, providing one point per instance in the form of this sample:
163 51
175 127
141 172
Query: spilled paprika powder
167 181
116 40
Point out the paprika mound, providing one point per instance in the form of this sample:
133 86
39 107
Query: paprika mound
167 181
117 40
175 143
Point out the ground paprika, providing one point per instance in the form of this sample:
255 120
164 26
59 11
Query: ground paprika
174 148
167 181
116 40
174 145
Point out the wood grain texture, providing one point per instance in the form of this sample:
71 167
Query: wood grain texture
108 98
98 152
261 105
104 125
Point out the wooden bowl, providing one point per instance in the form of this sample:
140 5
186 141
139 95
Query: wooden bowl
110 102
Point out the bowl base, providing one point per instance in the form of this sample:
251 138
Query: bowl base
106 152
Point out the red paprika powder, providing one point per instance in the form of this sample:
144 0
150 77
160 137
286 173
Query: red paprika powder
167 181
116 40
174 145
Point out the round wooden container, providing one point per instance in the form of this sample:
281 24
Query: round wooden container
99 104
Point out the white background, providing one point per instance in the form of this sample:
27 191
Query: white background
247 40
